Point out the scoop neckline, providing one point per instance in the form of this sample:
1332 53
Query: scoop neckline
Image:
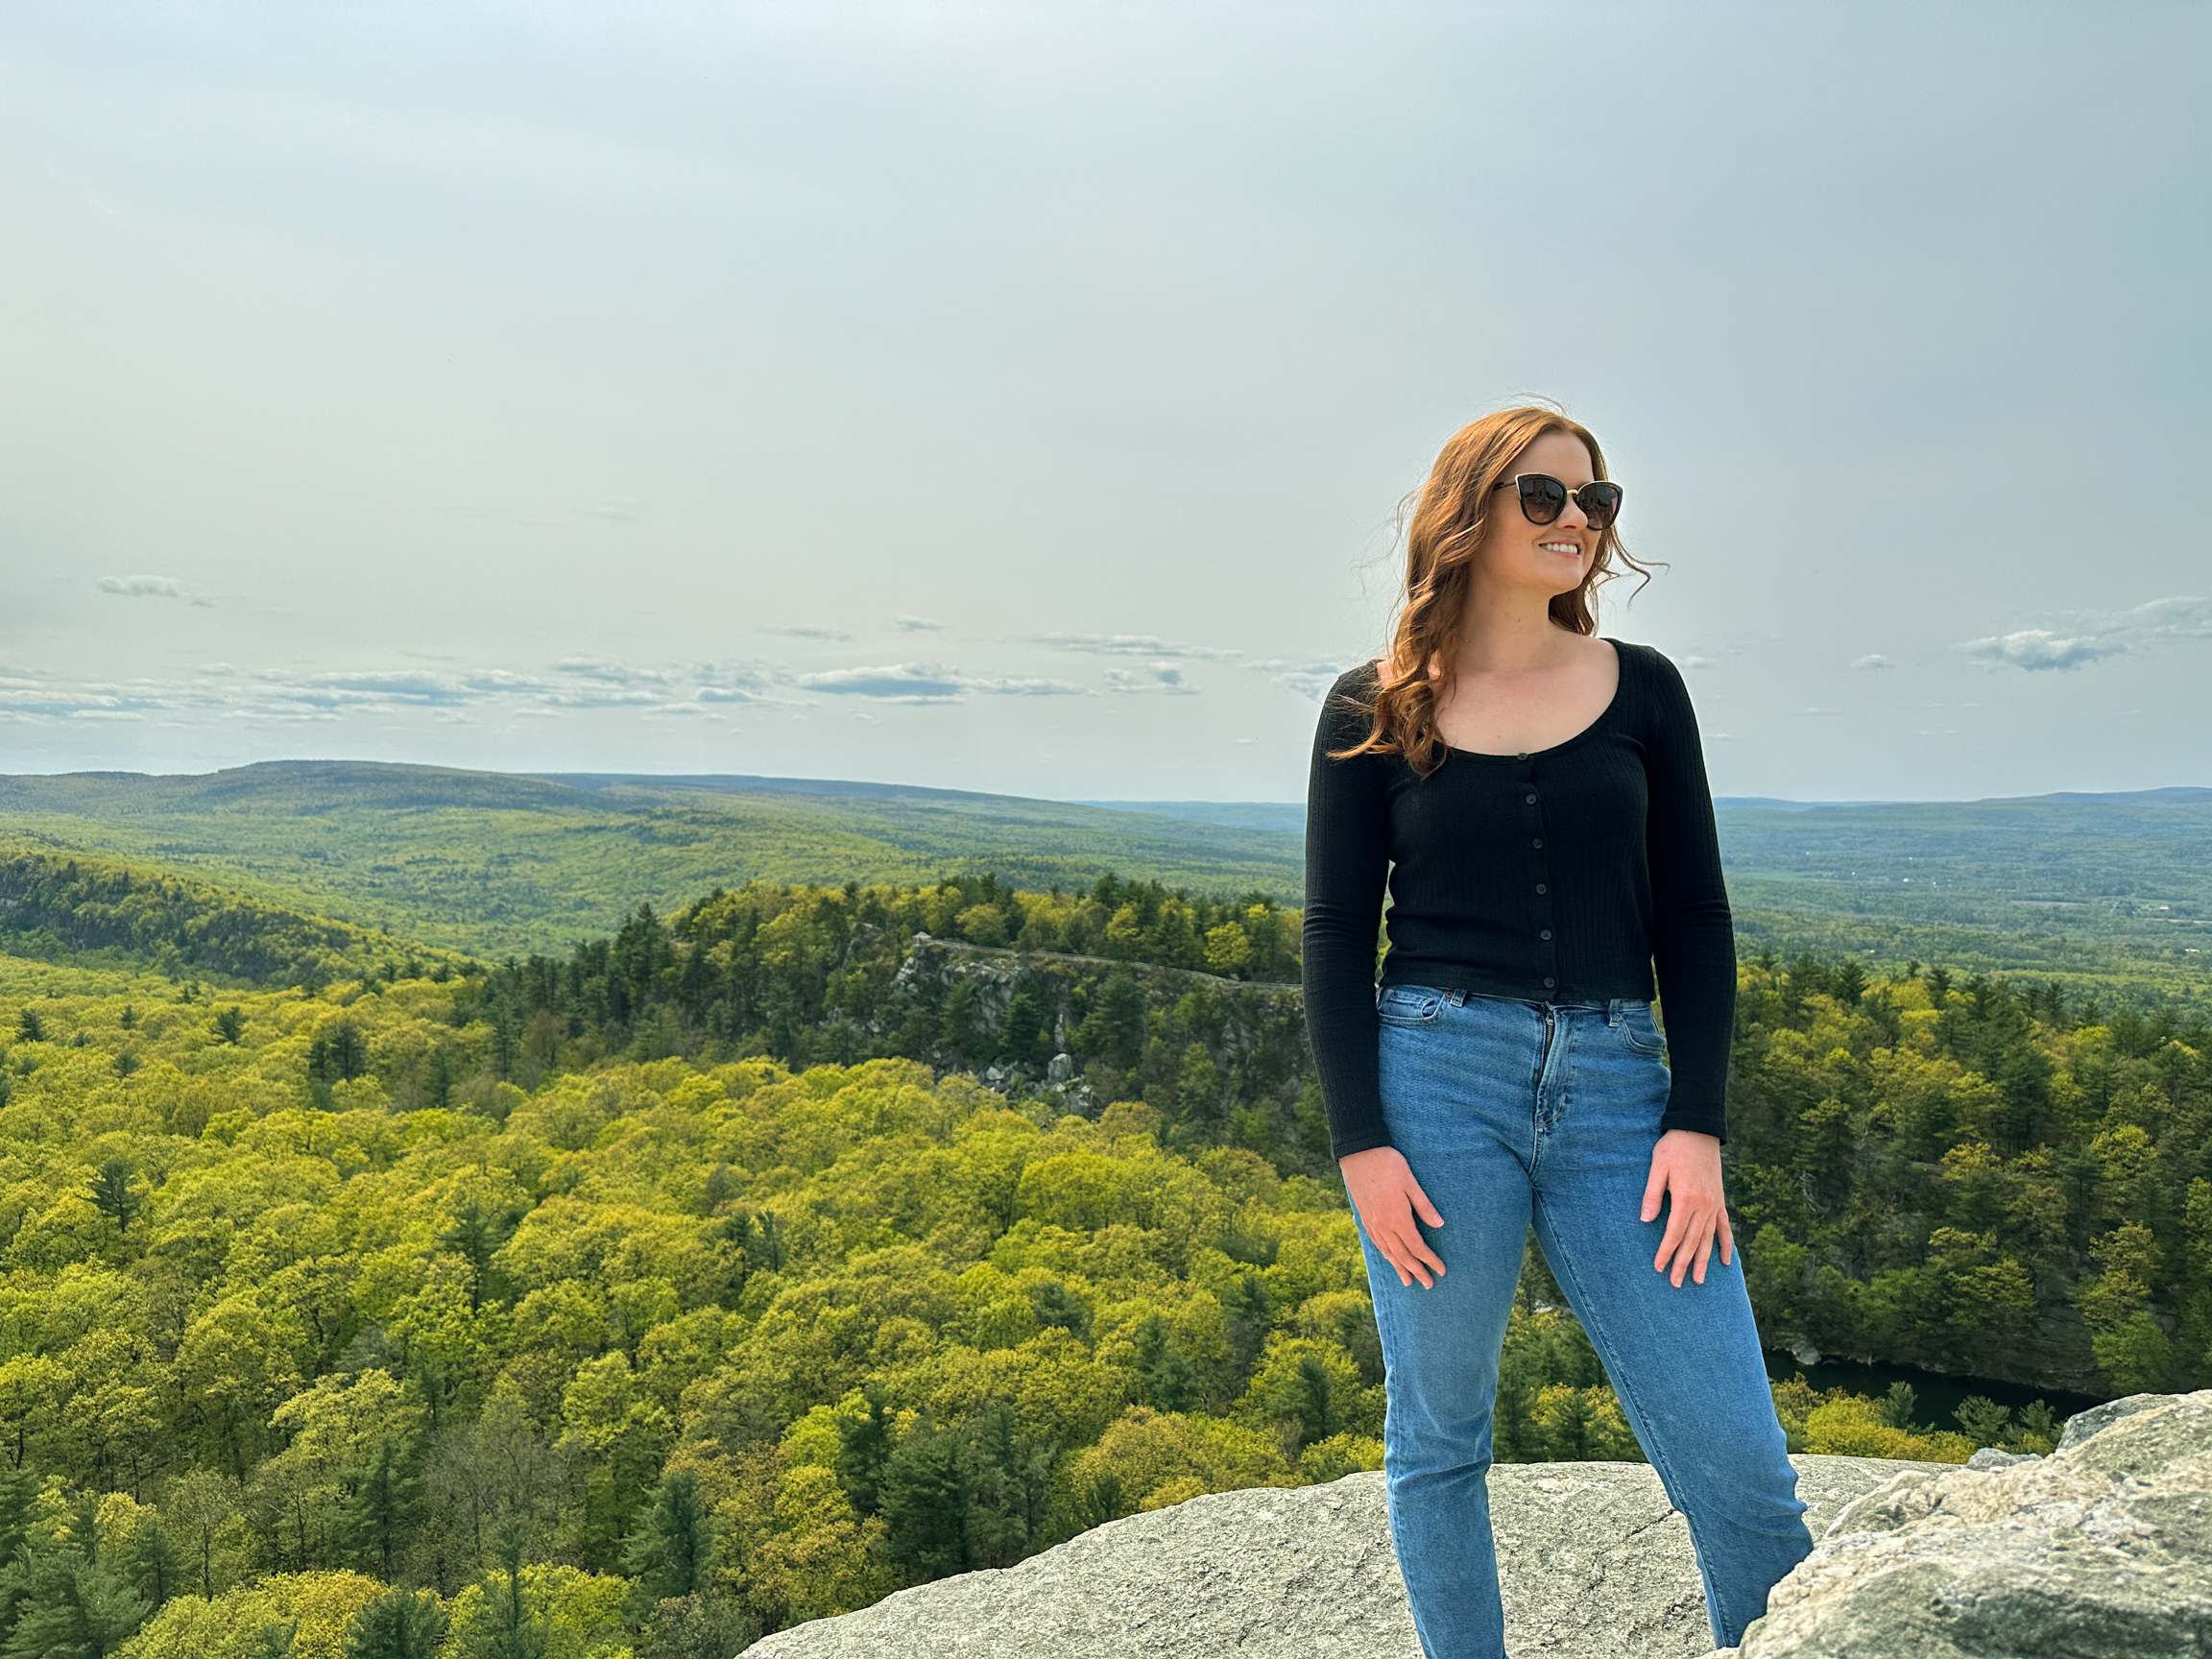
1619 684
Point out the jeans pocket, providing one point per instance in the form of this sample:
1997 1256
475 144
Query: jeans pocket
1639 1031
1410 1005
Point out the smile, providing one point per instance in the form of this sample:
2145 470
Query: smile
1569 549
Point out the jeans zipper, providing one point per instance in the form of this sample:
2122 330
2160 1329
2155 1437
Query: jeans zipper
1547 1053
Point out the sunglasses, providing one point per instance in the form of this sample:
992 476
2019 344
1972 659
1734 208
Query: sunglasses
1544 497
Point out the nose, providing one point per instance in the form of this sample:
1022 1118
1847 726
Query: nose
1572 516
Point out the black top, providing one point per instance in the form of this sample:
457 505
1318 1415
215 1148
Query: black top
1556 877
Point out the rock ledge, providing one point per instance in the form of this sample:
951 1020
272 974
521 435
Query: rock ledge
1592 1562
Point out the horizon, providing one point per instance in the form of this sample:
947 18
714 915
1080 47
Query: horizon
1721 801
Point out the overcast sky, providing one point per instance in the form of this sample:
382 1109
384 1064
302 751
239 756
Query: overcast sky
1018 398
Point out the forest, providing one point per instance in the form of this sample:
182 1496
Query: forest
752 1262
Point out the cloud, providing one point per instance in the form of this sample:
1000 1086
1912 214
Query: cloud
1872 660
1696 662
899 683
917 625
1133 646
928 682
1310 680
143 586
1161 677
2094 635
806 631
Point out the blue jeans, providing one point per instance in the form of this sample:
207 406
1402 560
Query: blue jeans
1509 1111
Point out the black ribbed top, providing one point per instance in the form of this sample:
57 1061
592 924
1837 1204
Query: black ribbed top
1558 876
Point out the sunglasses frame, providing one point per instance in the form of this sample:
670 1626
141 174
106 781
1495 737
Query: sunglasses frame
1575 496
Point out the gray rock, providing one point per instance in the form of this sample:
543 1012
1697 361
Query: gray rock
2101 1550
1997 1457
1592 1562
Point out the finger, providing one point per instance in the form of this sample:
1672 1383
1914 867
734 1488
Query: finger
1409 1264
1677 1228
1421 1205
1727 1240
1416 1250
1696 1246
1702 1253
1653 1188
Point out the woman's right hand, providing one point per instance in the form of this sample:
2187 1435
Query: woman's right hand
1388 1198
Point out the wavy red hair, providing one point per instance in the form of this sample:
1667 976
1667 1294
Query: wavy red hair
1449 515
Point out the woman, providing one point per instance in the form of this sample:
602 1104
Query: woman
1535 796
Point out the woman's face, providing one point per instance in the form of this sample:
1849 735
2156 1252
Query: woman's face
1552 558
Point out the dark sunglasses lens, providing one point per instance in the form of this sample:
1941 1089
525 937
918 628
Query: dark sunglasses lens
1599 503
1543 497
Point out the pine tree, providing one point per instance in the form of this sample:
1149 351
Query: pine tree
399 1625
74 1605
112 1195
673 1547
865 1447
376 1520
153 1562
517 1630
926 1494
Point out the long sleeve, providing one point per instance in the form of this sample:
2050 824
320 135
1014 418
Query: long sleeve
1693 935
1347 865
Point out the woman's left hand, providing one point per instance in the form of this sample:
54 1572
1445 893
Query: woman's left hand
1686 1170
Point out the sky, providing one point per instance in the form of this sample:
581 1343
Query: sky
1021 397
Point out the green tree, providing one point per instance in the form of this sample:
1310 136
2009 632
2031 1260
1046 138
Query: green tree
200 1504
1167 1374
377 1517
72 1606
926 1494
231 1024
516 1630
863 1448
152 1562
113 1196
399 1625
673 1546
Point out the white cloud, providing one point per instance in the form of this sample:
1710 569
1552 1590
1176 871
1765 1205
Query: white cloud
1310 679
1161 677
928 682
917 625
143 586
1872 660
1133 646
806 631
2095 635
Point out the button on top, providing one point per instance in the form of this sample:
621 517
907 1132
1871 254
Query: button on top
1531 800
1541 888
1546 934
1548 983
1523 755
1538 842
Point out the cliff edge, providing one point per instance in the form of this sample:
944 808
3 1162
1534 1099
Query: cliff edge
1592 1562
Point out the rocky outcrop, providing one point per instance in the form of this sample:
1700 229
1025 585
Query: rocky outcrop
1592 1563
2101 1550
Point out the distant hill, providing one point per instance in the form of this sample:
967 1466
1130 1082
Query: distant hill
2072 885
494 862
66 907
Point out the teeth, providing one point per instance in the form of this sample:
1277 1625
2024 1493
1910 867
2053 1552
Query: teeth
1570 547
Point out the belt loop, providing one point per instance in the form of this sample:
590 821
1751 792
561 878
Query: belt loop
1458 996
1613 1012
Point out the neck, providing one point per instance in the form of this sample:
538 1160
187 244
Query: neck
1508 631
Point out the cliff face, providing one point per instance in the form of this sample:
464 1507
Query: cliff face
1592 1563
2101 1551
